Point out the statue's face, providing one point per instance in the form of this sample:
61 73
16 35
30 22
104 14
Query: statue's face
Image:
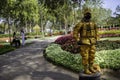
87 16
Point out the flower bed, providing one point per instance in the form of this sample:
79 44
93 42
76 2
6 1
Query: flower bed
58 56
68 43
63 39
107 45
62 53
109 33
105 58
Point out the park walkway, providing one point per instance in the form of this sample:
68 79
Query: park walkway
28 63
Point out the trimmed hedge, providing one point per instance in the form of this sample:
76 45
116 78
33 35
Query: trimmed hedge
109 33
107 45
105 58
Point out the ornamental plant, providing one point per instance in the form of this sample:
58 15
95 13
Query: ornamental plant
109 33
106 58
63 39
61 57
71 46
107 45
68 43
6 48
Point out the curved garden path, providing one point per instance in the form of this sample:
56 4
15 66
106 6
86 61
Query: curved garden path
28 63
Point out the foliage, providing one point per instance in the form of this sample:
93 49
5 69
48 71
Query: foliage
116 20
63 39
71 46
99 14
64 58
4 35
27 11
53 4
22 11
108 45
6 48
68 43
106 58
110 33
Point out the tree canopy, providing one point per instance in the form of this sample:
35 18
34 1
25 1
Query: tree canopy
61 13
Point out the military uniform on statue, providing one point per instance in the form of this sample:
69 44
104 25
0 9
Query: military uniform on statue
86 34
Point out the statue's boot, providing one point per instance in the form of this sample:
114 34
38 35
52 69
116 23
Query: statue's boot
92 69
86 70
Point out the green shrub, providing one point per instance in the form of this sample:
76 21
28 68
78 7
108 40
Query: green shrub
107 45
68 43
64 58
7 35
4 35
109 33
63 39
71 46
6 48
106 58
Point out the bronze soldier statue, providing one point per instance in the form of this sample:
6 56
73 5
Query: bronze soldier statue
86 33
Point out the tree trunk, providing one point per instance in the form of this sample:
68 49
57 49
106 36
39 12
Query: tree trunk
65 24
9 29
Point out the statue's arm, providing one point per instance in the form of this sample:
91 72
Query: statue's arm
97 33
76 30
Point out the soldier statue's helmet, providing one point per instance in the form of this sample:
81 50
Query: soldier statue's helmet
86 10
87 14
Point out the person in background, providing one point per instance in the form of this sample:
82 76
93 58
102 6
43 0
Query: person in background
16 40
23 37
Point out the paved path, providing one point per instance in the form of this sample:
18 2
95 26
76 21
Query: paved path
28 63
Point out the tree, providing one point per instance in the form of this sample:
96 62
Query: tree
7 11
99 14
22 11
19 11
44 16
27 11
63 13
116 19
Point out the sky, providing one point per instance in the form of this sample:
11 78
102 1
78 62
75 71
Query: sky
111 4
